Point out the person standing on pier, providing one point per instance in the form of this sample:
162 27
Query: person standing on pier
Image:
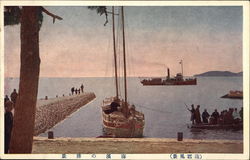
8 124
82 88
72 90
197 115
13 97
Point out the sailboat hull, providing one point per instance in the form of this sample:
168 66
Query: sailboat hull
115 124
120 132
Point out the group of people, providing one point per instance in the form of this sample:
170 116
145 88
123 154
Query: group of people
231 116
77 91
9 104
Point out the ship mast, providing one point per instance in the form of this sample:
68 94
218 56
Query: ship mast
181 62
115 59
124 61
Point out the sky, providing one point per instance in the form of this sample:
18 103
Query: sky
205 38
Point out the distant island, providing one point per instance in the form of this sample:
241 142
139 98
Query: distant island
219 74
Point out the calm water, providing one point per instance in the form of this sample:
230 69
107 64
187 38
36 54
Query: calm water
163 106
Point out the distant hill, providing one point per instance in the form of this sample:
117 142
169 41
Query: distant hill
219 74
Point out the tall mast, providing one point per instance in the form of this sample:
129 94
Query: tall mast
113 24
124 60
181 68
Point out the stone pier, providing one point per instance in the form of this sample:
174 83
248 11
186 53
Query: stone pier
52 111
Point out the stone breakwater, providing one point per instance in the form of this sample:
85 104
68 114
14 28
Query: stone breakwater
52 111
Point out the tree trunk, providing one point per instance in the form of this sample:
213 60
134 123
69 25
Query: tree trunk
24 117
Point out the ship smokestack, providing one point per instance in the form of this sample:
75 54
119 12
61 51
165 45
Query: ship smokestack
168 73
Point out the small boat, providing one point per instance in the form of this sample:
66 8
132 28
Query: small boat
177 80
121 119
234 95
216 126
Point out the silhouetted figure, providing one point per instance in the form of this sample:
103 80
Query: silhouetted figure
192 111
236 116
205 116
82 88
13 97
215 115
8 124
113 107
75 91
222 117
229 116
197 115
241 113
72 90
79 91
6 98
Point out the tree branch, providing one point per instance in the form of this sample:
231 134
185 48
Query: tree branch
112 13
51 14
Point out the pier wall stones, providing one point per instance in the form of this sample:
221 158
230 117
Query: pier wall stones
52 111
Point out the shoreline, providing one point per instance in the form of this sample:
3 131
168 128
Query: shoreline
52 111
133 145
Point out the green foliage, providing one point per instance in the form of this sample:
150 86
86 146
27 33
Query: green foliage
100 10
40 18
12 15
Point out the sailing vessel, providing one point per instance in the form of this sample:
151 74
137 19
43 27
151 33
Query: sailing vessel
234 95
238 126
177 80
121 119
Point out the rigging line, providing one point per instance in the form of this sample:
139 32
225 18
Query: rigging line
148 108
129 55
107 65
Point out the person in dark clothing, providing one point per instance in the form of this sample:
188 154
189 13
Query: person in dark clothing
75 91
72 90
13 97
82 88
205 116
241 113
6 99
79 91
229 116
8 124
197 115
215 115
192 111
113 107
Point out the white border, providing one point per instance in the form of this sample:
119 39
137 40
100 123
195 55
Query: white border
246 66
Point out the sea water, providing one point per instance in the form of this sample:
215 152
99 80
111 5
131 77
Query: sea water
163 106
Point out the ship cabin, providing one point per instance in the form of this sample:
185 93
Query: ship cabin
179 77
